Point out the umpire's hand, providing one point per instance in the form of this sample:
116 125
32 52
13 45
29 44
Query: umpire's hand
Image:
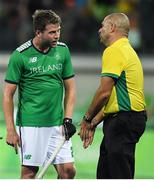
69 128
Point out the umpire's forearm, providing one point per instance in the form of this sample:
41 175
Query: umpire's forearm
98 102
98 118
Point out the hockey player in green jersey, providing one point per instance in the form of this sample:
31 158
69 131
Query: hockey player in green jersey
41 68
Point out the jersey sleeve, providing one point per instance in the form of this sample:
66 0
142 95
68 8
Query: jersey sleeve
68 71
14 69
112 63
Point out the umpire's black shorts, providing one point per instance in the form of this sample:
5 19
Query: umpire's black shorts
122 131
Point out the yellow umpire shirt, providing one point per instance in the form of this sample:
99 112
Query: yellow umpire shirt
121 62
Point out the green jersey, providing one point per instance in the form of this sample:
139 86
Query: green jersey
39 77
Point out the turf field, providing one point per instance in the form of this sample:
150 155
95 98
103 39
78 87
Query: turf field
86 160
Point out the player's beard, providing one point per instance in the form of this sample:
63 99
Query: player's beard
45 44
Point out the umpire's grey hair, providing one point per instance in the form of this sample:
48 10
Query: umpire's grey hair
121 21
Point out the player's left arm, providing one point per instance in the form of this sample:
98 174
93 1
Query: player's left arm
70 96
69 101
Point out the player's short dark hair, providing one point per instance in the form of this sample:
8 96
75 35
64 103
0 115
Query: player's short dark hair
41 18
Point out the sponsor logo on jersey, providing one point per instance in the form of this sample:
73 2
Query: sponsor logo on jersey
43 69
27 156
57 56
32 59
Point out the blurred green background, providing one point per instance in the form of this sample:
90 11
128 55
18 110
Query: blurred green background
86 159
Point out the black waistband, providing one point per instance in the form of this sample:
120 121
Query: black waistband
126 112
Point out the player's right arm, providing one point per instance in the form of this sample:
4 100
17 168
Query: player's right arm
12 137
12 79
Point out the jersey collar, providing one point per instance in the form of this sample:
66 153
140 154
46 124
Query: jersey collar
38 49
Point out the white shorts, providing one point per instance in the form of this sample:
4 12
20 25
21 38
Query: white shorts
38 142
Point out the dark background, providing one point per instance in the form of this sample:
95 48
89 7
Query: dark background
81 20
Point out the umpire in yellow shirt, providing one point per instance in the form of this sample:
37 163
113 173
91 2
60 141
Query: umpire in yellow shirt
120 95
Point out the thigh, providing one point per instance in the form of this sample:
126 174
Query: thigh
34 143
136 125
124 128
119 148
114 133
65 154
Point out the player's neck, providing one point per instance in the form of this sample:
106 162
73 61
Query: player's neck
38 46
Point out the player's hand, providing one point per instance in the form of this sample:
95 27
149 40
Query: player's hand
13 140
69 128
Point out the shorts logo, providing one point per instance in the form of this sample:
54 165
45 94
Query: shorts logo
27 156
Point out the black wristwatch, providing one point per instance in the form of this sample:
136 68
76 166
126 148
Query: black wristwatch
66 120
